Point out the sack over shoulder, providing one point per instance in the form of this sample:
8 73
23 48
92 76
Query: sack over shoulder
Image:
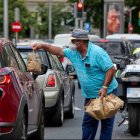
102 108
33 62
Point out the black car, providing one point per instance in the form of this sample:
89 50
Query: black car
116 49
58 86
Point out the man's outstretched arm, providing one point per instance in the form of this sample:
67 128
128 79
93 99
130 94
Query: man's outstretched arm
47 47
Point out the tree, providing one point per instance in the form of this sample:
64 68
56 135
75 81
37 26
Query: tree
130 4
58 15
25 17
95 13
94 10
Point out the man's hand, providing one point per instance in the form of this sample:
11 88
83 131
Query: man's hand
47 47
103 92
37 46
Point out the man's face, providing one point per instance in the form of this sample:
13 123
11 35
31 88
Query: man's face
113 21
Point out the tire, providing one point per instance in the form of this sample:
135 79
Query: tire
79 86
71 112
58 117
21 129
39 135
133 118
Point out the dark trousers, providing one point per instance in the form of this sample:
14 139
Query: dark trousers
90 125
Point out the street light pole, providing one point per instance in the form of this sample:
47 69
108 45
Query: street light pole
130 26
5 18
50 19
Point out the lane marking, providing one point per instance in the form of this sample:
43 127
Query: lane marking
77 108
125 122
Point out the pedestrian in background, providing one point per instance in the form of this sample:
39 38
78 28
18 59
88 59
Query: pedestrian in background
95 72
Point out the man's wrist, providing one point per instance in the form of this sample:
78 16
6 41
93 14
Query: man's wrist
105 87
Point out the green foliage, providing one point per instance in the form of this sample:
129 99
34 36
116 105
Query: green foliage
94 9
58 15
25 15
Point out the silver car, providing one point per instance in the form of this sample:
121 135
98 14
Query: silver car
58 87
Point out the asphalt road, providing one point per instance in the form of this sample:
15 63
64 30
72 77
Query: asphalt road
71 128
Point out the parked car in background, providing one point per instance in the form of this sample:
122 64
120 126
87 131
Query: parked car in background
58 87
133 38
21 97
113 47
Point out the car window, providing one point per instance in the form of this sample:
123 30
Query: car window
53 63
42 55
59 65
115 48
21 63
9 57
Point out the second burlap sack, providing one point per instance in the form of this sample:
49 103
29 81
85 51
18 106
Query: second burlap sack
102 108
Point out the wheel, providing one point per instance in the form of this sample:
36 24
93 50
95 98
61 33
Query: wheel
39 135
79 86
133 118
58 117
71 112
21 128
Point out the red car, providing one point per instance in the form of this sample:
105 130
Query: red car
21 98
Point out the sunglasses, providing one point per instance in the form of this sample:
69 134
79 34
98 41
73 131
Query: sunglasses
74 41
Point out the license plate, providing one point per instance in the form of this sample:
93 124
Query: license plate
133 92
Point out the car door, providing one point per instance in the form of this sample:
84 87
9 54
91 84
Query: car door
32 91
65 79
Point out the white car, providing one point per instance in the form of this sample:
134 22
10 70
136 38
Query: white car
63 40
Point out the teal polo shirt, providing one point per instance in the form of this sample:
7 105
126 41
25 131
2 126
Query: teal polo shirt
91 70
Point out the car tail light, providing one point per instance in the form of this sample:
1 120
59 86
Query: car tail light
61 59
51 81
5 79
5 129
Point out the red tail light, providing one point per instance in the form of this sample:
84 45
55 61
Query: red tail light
61 59
51 81
5 129
5 79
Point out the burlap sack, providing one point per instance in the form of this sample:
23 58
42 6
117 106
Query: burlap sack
117 102
102 108
33 62
89 109
95 108
109 108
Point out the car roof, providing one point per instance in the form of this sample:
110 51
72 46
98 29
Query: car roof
124 36
23 45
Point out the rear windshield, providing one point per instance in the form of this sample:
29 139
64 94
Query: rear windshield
42 54
115 48
136 44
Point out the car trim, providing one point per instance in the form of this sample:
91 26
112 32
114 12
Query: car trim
7 124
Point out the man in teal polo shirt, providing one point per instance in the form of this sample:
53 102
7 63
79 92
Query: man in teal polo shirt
95 72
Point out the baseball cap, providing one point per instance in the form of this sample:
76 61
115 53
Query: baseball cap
79 34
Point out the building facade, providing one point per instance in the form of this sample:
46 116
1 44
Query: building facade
32 4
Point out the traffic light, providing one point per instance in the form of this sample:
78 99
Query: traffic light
80 9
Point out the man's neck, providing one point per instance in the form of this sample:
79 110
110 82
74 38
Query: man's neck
83 51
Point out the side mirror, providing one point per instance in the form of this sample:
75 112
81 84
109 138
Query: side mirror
44 69
70 68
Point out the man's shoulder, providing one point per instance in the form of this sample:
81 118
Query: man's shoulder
69 53
95 48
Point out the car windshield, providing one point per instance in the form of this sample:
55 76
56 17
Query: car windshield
136 44
63 40
24 54
114 48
